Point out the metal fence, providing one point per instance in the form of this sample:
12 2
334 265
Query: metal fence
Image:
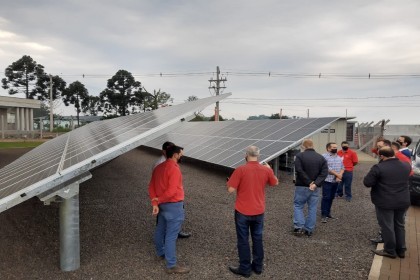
367 133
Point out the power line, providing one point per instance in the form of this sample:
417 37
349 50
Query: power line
269 74
323 105
323 99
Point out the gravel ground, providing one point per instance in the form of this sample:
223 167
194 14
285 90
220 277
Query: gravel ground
116 229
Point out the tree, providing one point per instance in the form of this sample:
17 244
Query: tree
199 118
211 119
22 76
91 106
156 100
76 94
191 98
260 117
43 87
264 117
277 116
122 92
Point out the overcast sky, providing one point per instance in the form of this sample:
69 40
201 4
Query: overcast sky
289 55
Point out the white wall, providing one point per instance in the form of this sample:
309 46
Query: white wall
392 132
337 134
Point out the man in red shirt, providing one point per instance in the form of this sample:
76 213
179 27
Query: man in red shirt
350 160
167 196
249 181
398 154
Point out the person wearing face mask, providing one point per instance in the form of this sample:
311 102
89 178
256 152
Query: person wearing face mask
335 175
165 146
350 160
396 148
405 141
390 194
166 193
380 143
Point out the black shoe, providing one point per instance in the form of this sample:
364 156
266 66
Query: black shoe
183 234
308 233
401 255
298 232
236 271
256 271
384 254
377 239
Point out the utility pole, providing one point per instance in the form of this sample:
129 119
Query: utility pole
51 104
216 87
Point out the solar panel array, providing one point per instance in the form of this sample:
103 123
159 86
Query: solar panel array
69 155
223 143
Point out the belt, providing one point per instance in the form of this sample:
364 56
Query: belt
172 202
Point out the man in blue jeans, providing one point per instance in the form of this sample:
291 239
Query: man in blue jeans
249 181
329 187
350 160
311 170
167 195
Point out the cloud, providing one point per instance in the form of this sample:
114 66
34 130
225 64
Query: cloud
78 37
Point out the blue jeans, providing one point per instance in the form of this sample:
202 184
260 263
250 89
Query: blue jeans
303 195
328 193
346 184
170 219
254 224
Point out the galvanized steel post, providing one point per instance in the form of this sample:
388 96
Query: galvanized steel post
69 234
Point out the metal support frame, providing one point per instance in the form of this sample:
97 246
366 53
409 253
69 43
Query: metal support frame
68 196
276 166
69 234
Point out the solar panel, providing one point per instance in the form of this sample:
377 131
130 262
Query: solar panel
223 143
72 154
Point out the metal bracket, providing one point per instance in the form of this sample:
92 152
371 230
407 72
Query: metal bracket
64 191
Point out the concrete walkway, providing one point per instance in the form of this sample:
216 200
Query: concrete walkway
407 268
363 157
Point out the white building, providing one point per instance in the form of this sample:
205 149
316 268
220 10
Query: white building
339 131
17 115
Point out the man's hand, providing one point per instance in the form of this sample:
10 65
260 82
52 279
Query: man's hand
155 210
266 164
312 186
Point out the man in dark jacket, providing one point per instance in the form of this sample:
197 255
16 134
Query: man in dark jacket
391 197
311 170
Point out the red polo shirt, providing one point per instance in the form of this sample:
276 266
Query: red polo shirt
349 159
166 183
404 158
250 180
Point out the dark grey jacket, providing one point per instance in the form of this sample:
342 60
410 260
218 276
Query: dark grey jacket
310 167
389 182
